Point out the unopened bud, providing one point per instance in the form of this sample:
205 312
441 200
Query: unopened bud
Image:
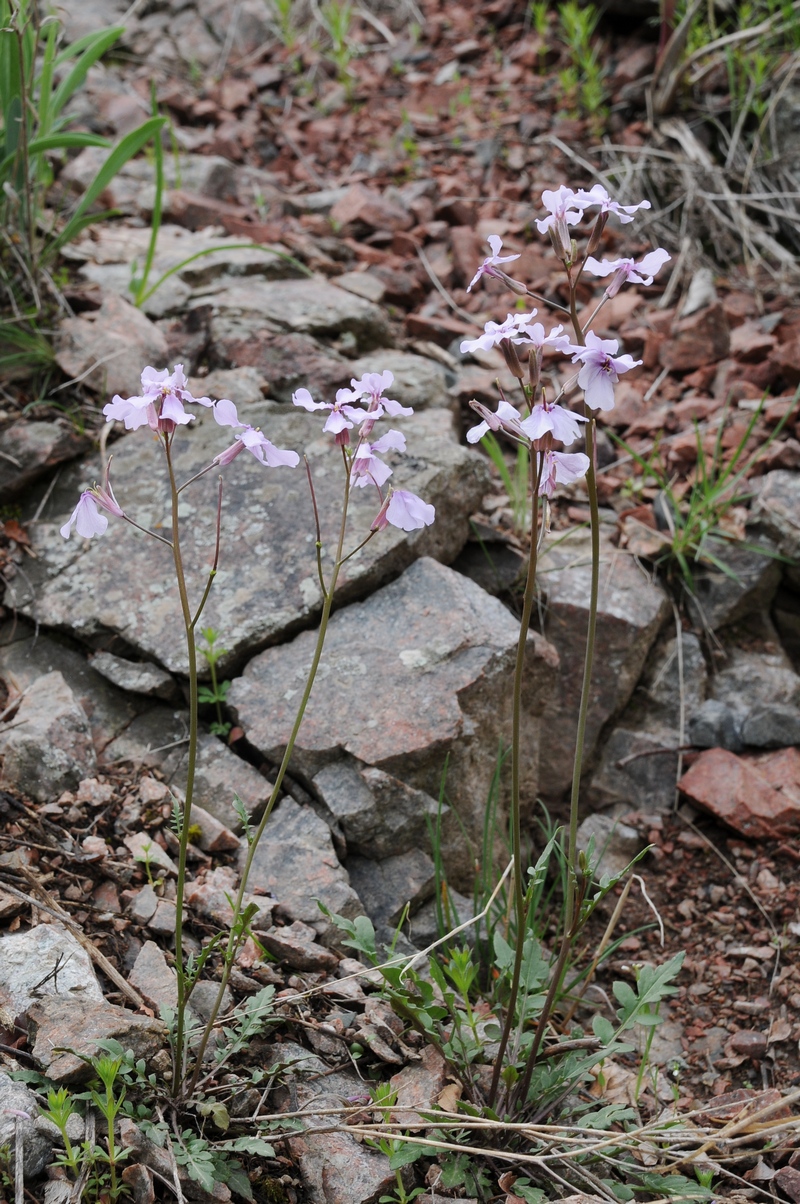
534 367
558 241
516 286
597 233
512 359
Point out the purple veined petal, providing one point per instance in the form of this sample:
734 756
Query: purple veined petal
200 401
173 411
570 466
597 383
652 263
606 267
369 470
302 397
86 518
265 451
409 512
372 384
391 441
225 413
562 424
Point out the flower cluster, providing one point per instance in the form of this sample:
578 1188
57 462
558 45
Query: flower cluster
362 405
519 337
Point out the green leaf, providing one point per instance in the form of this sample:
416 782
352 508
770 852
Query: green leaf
404 1155
603 1029
251 1145
89 48
129 146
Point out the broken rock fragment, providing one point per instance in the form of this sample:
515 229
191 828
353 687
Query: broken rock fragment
50 748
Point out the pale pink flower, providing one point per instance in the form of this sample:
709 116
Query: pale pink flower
343 414
371 388
495 332
251 439
534 334
367 468
506 419
552 419
86 518
561 468
601 369
489 265
599 196
160 405
564 210
404 510
626 270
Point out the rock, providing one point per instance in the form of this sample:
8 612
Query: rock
738 792
253 30
296 863
46 960
756 671
37 1146
492 564
126 582
787 1180
379 814
26 655
362 207
28 450
718 600
423 927
661 679
214 837
50 749
138 677
748 1043
777 507
631 610
107 348
363 284
442 651
418 1087
132 189
164 918
210 896
615 843
153 978
771 725
143 907
149 852
138 1179
296 946
155 739
418 381
385 887
58 1026
243 386
697 340
714 725
306 306
285 361
219 775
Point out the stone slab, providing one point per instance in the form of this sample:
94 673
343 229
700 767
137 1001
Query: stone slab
266 587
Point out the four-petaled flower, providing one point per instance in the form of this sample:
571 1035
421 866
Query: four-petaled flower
404 510
547 419
564 210
160 405
371 388
600 371
597 195
495 332
489 265
561 468
366 466
506 419
86 518
251 439
343 414
627 270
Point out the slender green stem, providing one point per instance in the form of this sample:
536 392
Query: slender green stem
570 908
520 910
178 1069
213 570
230 951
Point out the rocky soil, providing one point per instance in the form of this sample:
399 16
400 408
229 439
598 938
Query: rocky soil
370 198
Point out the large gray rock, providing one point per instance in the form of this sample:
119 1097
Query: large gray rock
267 584
64 1034
379 815
18 1101
631 611
418 673
107 348
219 774
714 725
46 960
719 599
756 672
771 725
49 747
136 677
777 507
27 654
387 887
313 307
28 450
296 862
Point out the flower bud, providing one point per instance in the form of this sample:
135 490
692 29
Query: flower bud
512 359
597 233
